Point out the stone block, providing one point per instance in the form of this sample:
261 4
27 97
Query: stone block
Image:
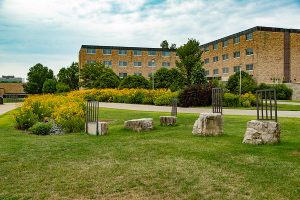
102 128
208 124
167 120
144 124
262 132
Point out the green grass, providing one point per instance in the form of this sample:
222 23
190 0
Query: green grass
166 163
280 107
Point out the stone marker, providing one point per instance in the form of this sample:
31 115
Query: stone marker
102 128
144 124
208 124
167 120
262 132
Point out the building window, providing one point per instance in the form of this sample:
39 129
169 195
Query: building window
249 36
151 64
107 63
91 51
206 48
225 70
249 51
107 51
216 71
236 68
122 52
206 72
122 75
225 43
122 63
249 67
151 53
215 46
137 64
215 59
225 56
137 52
90 61
206 60
236 40
236 54
166 53
138 73
166 64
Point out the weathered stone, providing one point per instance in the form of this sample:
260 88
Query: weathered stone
208 124
102 128
167 120
144 124
262 132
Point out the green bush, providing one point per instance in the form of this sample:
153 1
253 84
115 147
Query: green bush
134 81
248 100
230 100
49 86
25 120
41 128
136 98
248 83
282 91
165 100
62 87
71 125
108 79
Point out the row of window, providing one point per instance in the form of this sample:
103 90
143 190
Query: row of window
123 75
236 40
108 63
124 52
236 54
225 70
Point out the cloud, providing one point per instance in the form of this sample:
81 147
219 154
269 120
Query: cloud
56 29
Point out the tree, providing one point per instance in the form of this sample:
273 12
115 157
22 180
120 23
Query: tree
70 76
168 78
248 83
164 44
49 86
108 79
134 81
36 77
173 46
61 87
190 64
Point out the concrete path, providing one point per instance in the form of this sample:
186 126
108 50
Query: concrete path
288 103
4 108
191 110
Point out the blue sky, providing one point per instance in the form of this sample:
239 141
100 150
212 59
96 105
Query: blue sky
51 32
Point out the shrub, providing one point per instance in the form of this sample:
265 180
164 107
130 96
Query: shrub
49 86
108 79
248 100
248 83
62 87
41 128
282 91
134 81
195 95
165 100
169 79
230 100
25 119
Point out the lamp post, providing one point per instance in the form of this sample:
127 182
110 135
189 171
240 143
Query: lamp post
153 62
240 80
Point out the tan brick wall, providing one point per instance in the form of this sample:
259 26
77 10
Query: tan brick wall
12 88
130 58
295 57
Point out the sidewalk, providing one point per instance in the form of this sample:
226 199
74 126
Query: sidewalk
191 110
8 107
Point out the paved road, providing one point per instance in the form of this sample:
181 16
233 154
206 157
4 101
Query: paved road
289 103
191 110
8 107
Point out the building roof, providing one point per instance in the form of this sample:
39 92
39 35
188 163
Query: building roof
126 48
250 30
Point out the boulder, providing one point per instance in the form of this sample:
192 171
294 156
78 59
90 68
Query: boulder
167 120
208 124
144 124
262 132
92 128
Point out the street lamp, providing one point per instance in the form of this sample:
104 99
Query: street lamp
240 79
152 66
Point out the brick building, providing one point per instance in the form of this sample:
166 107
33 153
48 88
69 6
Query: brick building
271 55
128 60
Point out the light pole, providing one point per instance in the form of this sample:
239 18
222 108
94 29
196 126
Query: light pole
240 80
153 62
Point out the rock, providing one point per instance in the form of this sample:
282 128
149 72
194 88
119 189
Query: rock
102 128
167 120
208 124
56 130
262 132
144 124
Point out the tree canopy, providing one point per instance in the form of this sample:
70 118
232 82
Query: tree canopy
134 81
168 78
248 83
70 76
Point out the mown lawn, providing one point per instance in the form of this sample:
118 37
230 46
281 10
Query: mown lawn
166 163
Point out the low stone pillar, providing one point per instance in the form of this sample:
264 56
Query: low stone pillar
144 124
167 120
102 128
262 132
208 124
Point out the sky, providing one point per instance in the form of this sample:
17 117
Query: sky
51 32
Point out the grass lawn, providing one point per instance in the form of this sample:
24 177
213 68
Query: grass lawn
280 107
166 163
